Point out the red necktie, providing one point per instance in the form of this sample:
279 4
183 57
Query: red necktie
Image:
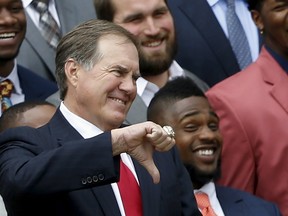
6 88
130 192
204 204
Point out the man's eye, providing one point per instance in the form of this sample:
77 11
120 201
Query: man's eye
214 126
16 8
116 72
191 128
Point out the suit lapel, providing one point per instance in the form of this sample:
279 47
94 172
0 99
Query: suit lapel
231 202
137 111
201 16
66 20
274 76
35 39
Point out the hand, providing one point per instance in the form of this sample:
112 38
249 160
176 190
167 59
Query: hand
140 141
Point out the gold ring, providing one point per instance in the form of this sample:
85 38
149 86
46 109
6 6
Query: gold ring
169 130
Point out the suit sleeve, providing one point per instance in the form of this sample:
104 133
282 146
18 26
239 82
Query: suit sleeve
238 164
38 165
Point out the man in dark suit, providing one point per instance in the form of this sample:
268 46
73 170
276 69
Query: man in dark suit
152 24
35 52
203 39
66 166
26 84
183 105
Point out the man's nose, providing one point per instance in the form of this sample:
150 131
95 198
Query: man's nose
151 27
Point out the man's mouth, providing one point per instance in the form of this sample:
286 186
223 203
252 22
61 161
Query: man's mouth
7 36
119 100
205 152
152 43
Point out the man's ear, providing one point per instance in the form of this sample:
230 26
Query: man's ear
71 71
257 20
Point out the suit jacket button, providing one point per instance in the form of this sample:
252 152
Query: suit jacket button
95 179
83 180
89 179
101 177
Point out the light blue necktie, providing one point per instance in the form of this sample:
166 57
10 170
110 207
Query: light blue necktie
237 36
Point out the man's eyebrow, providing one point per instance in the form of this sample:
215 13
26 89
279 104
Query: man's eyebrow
132 17
120 67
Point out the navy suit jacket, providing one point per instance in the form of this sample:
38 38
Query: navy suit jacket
239 203
52 170
203 47
33 86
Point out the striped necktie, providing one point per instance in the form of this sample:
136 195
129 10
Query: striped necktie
49 28
204 204
6 88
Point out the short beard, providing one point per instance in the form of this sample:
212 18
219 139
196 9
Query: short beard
201 178
152 66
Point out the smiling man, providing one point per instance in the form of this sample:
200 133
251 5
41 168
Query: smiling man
70 166
26 85
152 24
181 104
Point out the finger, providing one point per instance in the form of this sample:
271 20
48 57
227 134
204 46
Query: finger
166 145
152 170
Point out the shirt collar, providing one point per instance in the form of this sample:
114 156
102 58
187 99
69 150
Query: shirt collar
175 70
85 128
213 2
26 3
208 188
281 61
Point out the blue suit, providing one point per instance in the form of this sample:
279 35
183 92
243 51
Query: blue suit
57 172
33 86
239 203
203 47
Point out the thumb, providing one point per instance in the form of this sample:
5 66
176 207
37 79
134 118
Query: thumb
152 170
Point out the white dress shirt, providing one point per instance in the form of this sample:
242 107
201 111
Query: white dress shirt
17 95
88 130
146 90
210 190
219 8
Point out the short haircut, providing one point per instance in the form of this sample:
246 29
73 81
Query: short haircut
105 9
173 91
12 115
81 44
255 4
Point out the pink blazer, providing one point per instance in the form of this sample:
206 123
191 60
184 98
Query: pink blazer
253 110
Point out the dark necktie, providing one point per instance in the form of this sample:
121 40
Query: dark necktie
204 204
237 36
6 88
47 24
130 192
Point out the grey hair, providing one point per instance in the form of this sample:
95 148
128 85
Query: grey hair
81 44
